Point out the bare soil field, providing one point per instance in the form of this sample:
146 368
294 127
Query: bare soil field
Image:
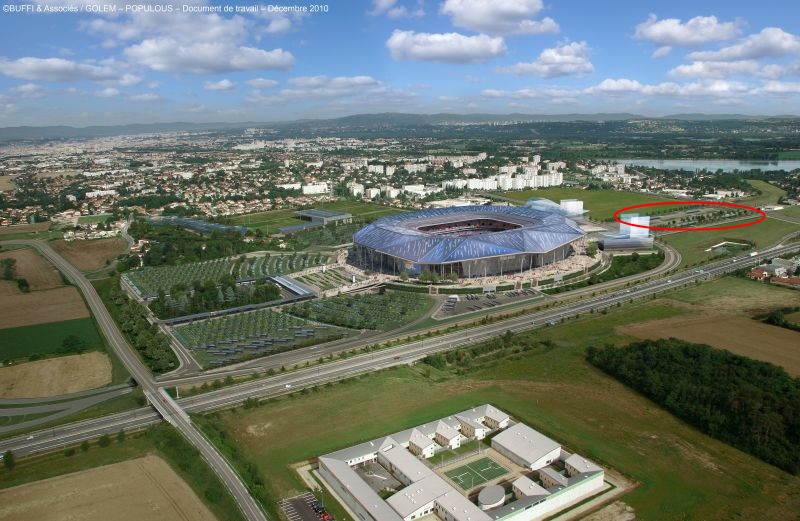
6 183
39 307
738 334
31 266
58 173
24 228
90 255
143 488
55 376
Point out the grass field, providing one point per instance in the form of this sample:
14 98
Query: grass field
476 473
601 203
271 221
684 474
93 219
692 245
769 194
791 211
45 339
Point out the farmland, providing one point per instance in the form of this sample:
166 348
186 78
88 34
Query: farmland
601 203
39 307
32 267
245 335
330 279
150 280
684 474
692 245
270 222
55 376
46 339
90 255
364 311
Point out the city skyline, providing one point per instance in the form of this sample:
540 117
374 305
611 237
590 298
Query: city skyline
460 56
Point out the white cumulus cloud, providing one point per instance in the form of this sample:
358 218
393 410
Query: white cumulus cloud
221 85
447 47
563 60
769 43
499 17
56 69
671 32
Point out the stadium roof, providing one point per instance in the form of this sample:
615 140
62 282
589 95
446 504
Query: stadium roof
399 235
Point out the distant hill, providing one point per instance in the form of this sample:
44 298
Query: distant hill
391 120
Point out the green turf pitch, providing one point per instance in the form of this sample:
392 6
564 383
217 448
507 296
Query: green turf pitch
475 473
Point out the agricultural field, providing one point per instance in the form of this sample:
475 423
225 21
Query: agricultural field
152 474
46 339
55 376
330 279
90 255
231 338
270 222
34 268
683 473
39 307
23 229
7 183
692 245
364 310
601 203
150 280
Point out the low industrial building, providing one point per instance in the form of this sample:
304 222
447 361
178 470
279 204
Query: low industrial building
539 489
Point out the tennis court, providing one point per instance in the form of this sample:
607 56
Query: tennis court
475 473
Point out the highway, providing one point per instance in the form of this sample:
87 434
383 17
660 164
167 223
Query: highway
403 354
168 409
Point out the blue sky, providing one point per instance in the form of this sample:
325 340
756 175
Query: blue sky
426 56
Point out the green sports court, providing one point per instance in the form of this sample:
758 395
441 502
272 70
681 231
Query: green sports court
475 473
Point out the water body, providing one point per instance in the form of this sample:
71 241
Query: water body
712 165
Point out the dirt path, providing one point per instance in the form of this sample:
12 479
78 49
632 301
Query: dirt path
141 489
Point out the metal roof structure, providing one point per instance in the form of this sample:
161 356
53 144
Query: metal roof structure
525 230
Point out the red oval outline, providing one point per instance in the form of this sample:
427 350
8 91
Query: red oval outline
707 229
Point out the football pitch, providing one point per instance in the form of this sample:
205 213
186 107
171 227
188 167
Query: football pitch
475 473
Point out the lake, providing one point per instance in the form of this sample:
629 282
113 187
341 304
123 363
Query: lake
712 165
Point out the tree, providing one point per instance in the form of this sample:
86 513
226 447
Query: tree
8 460
120 436
104 440
84 446
404 276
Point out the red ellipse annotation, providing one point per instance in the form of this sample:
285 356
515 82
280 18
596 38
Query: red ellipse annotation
687 203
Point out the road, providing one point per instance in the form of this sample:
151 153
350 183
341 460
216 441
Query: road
399 355
168 409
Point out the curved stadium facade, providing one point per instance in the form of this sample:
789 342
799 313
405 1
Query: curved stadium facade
472 241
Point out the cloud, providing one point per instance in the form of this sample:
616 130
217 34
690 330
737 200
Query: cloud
194 109
715 69
108 92
448 47
222 85
146 97
779 88
563 60
332 88
394 11
261 83
499 17
661 51
770 42
56 69
167 54
29 90
671 32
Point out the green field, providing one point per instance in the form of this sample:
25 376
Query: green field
45 339
683 474
601 203
692 245
89 219
161 441
475 473
791 211
769 194
270 222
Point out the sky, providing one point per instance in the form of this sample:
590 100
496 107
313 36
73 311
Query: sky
113 62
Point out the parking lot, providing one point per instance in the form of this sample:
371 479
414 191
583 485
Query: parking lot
478 302
301 508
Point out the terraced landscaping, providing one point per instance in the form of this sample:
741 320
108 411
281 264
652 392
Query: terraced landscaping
364 311
246 335
150 280
331 279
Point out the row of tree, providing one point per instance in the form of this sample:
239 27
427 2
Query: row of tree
752 405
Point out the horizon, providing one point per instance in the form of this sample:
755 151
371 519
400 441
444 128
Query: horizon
399 56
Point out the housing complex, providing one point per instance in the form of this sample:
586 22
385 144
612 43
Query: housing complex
522 476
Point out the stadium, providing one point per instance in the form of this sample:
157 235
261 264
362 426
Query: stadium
471 241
